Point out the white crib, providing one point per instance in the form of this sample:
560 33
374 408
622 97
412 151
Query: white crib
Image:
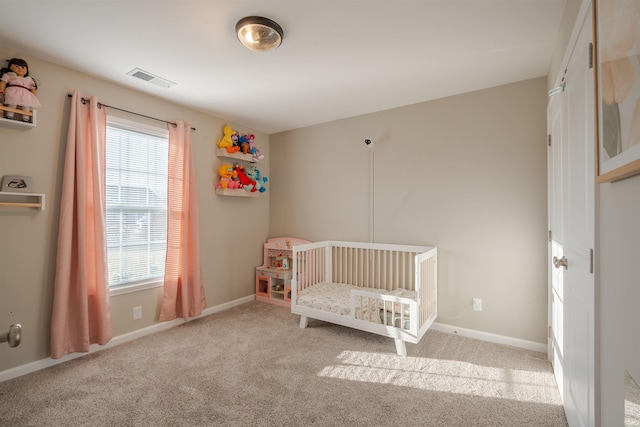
385 289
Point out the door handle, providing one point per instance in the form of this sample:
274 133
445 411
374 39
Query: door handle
562 262
14 335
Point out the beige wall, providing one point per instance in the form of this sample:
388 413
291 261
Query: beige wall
465 173
233 229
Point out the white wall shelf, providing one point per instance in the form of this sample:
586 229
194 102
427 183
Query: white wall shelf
16 124
24 200
221 152
238 192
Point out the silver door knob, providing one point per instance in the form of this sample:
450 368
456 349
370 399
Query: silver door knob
14 335
562 262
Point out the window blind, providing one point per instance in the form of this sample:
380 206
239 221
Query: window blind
136 202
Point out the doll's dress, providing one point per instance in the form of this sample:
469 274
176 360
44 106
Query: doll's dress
18 91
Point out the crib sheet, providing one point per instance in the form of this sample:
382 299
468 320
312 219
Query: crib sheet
336 297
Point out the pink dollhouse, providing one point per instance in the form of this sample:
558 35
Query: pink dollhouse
273 277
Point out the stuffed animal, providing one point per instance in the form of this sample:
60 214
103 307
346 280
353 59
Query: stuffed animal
244 142
253 150
254 173
227 140
236 180
227 174
236 145
245 181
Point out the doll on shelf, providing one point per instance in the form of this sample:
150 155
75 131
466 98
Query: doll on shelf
18 87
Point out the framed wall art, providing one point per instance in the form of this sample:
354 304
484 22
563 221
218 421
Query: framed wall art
16 184
617 37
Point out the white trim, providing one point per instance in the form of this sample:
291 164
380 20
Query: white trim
154 129
135 287
28 368
494 338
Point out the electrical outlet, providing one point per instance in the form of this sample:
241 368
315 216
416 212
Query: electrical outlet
477 304
137 312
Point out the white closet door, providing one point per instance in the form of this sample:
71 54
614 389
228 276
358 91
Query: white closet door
571 216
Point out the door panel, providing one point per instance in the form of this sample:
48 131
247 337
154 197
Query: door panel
579 385
557 132
579 237
571 217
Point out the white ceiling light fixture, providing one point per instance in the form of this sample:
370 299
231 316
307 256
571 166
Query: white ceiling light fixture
259 34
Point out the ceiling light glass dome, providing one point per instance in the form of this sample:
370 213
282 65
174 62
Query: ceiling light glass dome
259 34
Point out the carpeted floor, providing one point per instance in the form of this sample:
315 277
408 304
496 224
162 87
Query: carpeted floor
253 366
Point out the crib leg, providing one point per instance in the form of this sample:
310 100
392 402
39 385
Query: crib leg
401 348
303 322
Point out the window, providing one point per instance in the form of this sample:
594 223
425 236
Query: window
136 203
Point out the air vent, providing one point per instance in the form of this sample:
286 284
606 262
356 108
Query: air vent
148 77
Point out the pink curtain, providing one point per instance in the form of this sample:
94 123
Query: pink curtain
81 309
183 290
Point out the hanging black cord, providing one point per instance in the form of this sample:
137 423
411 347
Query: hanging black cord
85 100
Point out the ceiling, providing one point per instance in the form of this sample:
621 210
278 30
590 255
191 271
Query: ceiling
338 59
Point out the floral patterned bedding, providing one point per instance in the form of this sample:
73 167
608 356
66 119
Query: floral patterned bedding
336 298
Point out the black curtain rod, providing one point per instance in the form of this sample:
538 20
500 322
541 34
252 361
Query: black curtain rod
100 104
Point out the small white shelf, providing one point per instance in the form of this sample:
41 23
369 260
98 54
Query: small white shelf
16 124
238 192
24 200
221 152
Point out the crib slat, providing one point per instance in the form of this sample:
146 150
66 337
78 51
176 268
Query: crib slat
338 262
393 277
406 274
361 255
353 263
324 263
387 268
397 270
354 267
354 271
347 262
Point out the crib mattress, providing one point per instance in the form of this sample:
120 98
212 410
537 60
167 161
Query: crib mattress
336 297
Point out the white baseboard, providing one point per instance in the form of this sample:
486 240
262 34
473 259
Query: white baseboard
120 339
486 336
